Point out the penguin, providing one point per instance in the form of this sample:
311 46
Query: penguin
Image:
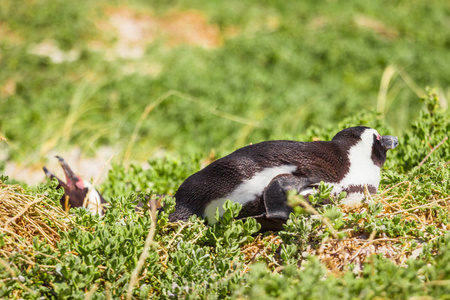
258 176
76 190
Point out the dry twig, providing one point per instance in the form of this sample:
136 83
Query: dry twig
431 152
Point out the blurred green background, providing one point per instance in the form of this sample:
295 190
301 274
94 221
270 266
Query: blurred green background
146 78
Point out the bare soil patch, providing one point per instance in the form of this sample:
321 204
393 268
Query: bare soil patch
134 30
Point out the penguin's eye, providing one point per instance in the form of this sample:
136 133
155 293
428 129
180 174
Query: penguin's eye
80 184
379 137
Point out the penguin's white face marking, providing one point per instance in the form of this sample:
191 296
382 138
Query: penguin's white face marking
93 202
248 190
362 169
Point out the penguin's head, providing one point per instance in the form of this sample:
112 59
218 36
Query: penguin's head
368 141
76 190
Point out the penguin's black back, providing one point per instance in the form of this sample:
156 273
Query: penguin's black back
317 161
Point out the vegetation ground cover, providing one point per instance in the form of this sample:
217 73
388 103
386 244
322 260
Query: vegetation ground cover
395 245
194 80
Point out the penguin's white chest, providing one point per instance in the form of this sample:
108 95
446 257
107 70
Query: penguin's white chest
93 202
362 171
248 190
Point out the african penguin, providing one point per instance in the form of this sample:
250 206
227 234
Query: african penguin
76 189
259 175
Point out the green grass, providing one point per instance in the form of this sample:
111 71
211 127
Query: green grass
286 68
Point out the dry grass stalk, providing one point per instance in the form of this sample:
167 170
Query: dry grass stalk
23 217
148 242
259 249
313 211
91 292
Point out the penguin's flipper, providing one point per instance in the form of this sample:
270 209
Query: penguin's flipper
275 198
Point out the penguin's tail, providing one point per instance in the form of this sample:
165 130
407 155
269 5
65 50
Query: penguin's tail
181 213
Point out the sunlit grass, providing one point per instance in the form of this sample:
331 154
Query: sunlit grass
278 70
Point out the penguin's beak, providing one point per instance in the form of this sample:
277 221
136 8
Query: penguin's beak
389 142
51 176
48 173
71 178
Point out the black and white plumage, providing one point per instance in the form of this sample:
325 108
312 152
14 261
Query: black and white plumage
76 190
258 176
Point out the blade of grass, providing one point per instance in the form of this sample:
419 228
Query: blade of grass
94 183
182 96
411 84
136 129
78 107
384 86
